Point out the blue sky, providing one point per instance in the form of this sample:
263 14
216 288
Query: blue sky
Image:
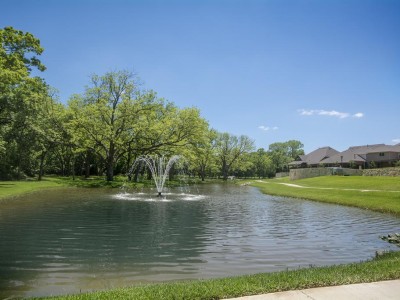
324 72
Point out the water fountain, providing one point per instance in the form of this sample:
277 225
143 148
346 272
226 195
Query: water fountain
159 167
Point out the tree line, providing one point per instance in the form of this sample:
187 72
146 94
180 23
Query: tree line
103 130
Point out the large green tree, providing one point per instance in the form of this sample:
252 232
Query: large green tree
20 97
49 130
230 149
18 52
262 163
203 153
283 153
104 117
117 121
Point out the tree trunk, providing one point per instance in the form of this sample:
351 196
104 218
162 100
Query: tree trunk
87 164
171 173
110 164
137 172
202 173
224 171
128 160
73 167
149 175
41 166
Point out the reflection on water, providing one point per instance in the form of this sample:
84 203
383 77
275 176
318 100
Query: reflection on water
58 242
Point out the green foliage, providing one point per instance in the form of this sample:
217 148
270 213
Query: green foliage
117 122
21 99
107 127
201 154
263 164
283 153
230 149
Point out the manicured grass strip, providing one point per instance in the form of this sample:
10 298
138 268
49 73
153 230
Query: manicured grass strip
16 188
352 182
386 200
385 267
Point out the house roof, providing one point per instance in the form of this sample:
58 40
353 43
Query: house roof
386 148
355 154
316 156
328 155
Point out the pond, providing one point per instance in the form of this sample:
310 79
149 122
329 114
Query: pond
76 240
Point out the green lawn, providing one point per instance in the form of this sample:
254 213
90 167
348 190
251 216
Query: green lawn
16 188
374 193
383 268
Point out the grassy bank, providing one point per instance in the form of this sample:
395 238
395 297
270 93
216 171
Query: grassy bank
16 188
375 193
119 181
383 268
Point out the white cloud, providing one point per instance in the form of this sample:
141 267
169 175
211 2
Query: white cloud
330 113
267 128
304 112
333 113
396 141
358 115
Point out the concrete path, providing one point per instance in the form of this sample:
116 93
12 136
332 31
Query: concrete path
383 290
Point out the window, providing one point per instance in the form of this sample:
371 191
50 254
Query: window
381 154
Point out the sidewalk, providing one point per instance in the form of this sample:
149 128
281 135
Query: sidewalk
383 290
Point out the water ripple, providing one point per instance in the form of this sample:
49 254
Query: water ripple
80 240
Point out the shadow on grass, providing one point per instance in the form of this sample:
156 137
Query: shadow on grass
7 185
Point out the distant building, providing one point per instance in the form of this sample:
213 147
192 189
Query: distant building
378 155
313 159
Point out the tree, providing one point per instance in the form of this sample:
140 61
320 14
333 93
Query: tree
104 117
202 156
20 95
283 153
294 149
117 122
229 149
262 163
17 58
49 129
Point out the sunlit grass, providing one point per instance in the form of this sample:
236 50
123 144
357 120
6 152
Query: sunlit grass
15 188
374 193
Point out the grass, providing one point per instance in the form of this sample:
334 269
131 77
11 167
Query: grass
119 181
15 188
384 267
375 193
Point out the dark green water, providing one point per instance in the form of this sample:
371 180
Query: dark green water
67 241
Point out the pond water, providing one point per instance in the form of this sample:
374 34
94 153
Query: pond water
77 240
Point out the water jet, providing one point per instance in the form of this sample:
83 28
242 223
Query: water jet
159 167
